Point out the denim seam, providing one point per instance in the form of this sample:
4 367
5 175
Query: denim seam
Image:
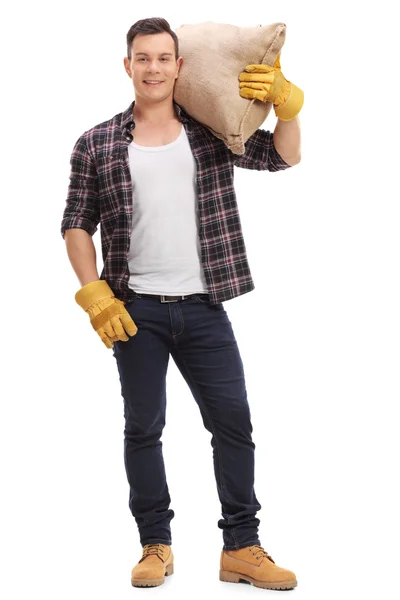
181 321
211 423
232 532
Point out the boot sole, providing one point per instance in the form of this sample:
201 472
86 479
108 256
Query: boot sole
230 577
153 582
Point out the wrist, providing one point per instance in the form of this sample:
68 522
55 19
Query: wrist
290 108
93 292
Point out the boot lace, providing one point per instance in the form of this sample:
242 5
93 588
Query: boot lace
150 549
260 553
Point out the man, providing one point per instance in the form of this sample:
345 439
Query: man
161 186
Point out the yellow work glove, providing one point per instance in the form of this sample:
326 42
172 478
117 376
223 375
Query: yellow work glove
108 315
267 84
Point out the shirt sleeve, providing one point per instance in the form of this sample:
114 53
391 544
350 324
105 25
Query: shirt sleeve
260 153
82 208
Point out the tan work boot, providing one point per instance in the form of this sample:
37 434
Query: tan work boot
256 566
157 560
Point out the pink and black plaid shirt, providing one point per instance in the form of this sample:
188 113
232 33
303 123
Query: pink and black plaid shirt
100 191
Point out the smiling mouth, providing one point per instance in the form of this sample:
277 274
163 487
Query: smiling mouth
149 82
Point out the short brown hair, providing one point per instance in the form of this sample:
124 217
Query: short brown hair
149 26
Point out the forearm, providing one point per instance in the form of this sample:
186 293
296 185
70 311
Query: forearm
82 254
287 140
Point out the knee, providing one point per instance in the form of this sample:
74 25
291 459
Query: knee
143 432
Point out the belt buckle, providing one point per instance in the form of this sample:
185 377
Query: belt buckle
165 301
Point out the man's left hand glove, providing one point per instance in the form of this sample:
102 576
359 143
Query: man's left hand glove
267 84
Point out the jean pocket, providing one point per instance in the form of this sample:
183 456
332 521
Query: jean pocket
130 302
201 300
205 300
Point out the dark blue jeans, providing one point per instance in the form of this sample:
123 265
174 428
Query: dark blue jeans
200 339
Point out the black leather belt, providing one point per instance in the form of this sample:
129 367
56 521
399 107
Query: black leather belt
170 298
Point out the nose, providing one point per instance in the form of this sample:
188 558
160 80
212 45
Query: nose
152 66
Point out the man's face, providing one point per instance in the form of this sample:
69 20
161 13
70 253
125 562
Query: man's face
153 60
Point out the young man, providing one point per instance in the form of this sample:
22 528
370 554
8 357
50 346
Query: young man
161 186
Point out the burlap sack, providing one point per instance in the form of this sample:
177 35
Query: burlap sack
207 88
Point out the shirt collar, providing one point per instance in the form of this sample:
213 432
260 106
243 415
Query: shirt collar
127 121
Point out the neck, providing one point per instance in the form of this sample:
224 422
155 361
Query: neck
154 113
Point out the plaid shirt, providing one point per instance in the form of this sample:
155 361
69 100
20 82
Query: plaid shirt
100 191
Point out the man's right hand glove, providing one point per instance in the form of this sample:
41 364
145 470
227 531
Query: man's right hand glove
108 314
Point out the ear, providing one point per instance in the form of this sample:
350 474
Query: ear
179 64
127 66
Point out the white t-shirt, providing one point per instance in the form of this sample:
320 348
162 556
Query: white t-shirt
165 254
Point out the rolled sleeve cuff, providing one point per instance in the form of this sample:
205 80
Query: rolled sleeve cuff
78 223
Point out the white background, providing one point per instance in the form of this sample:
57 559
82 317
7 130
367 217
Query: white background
319 336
